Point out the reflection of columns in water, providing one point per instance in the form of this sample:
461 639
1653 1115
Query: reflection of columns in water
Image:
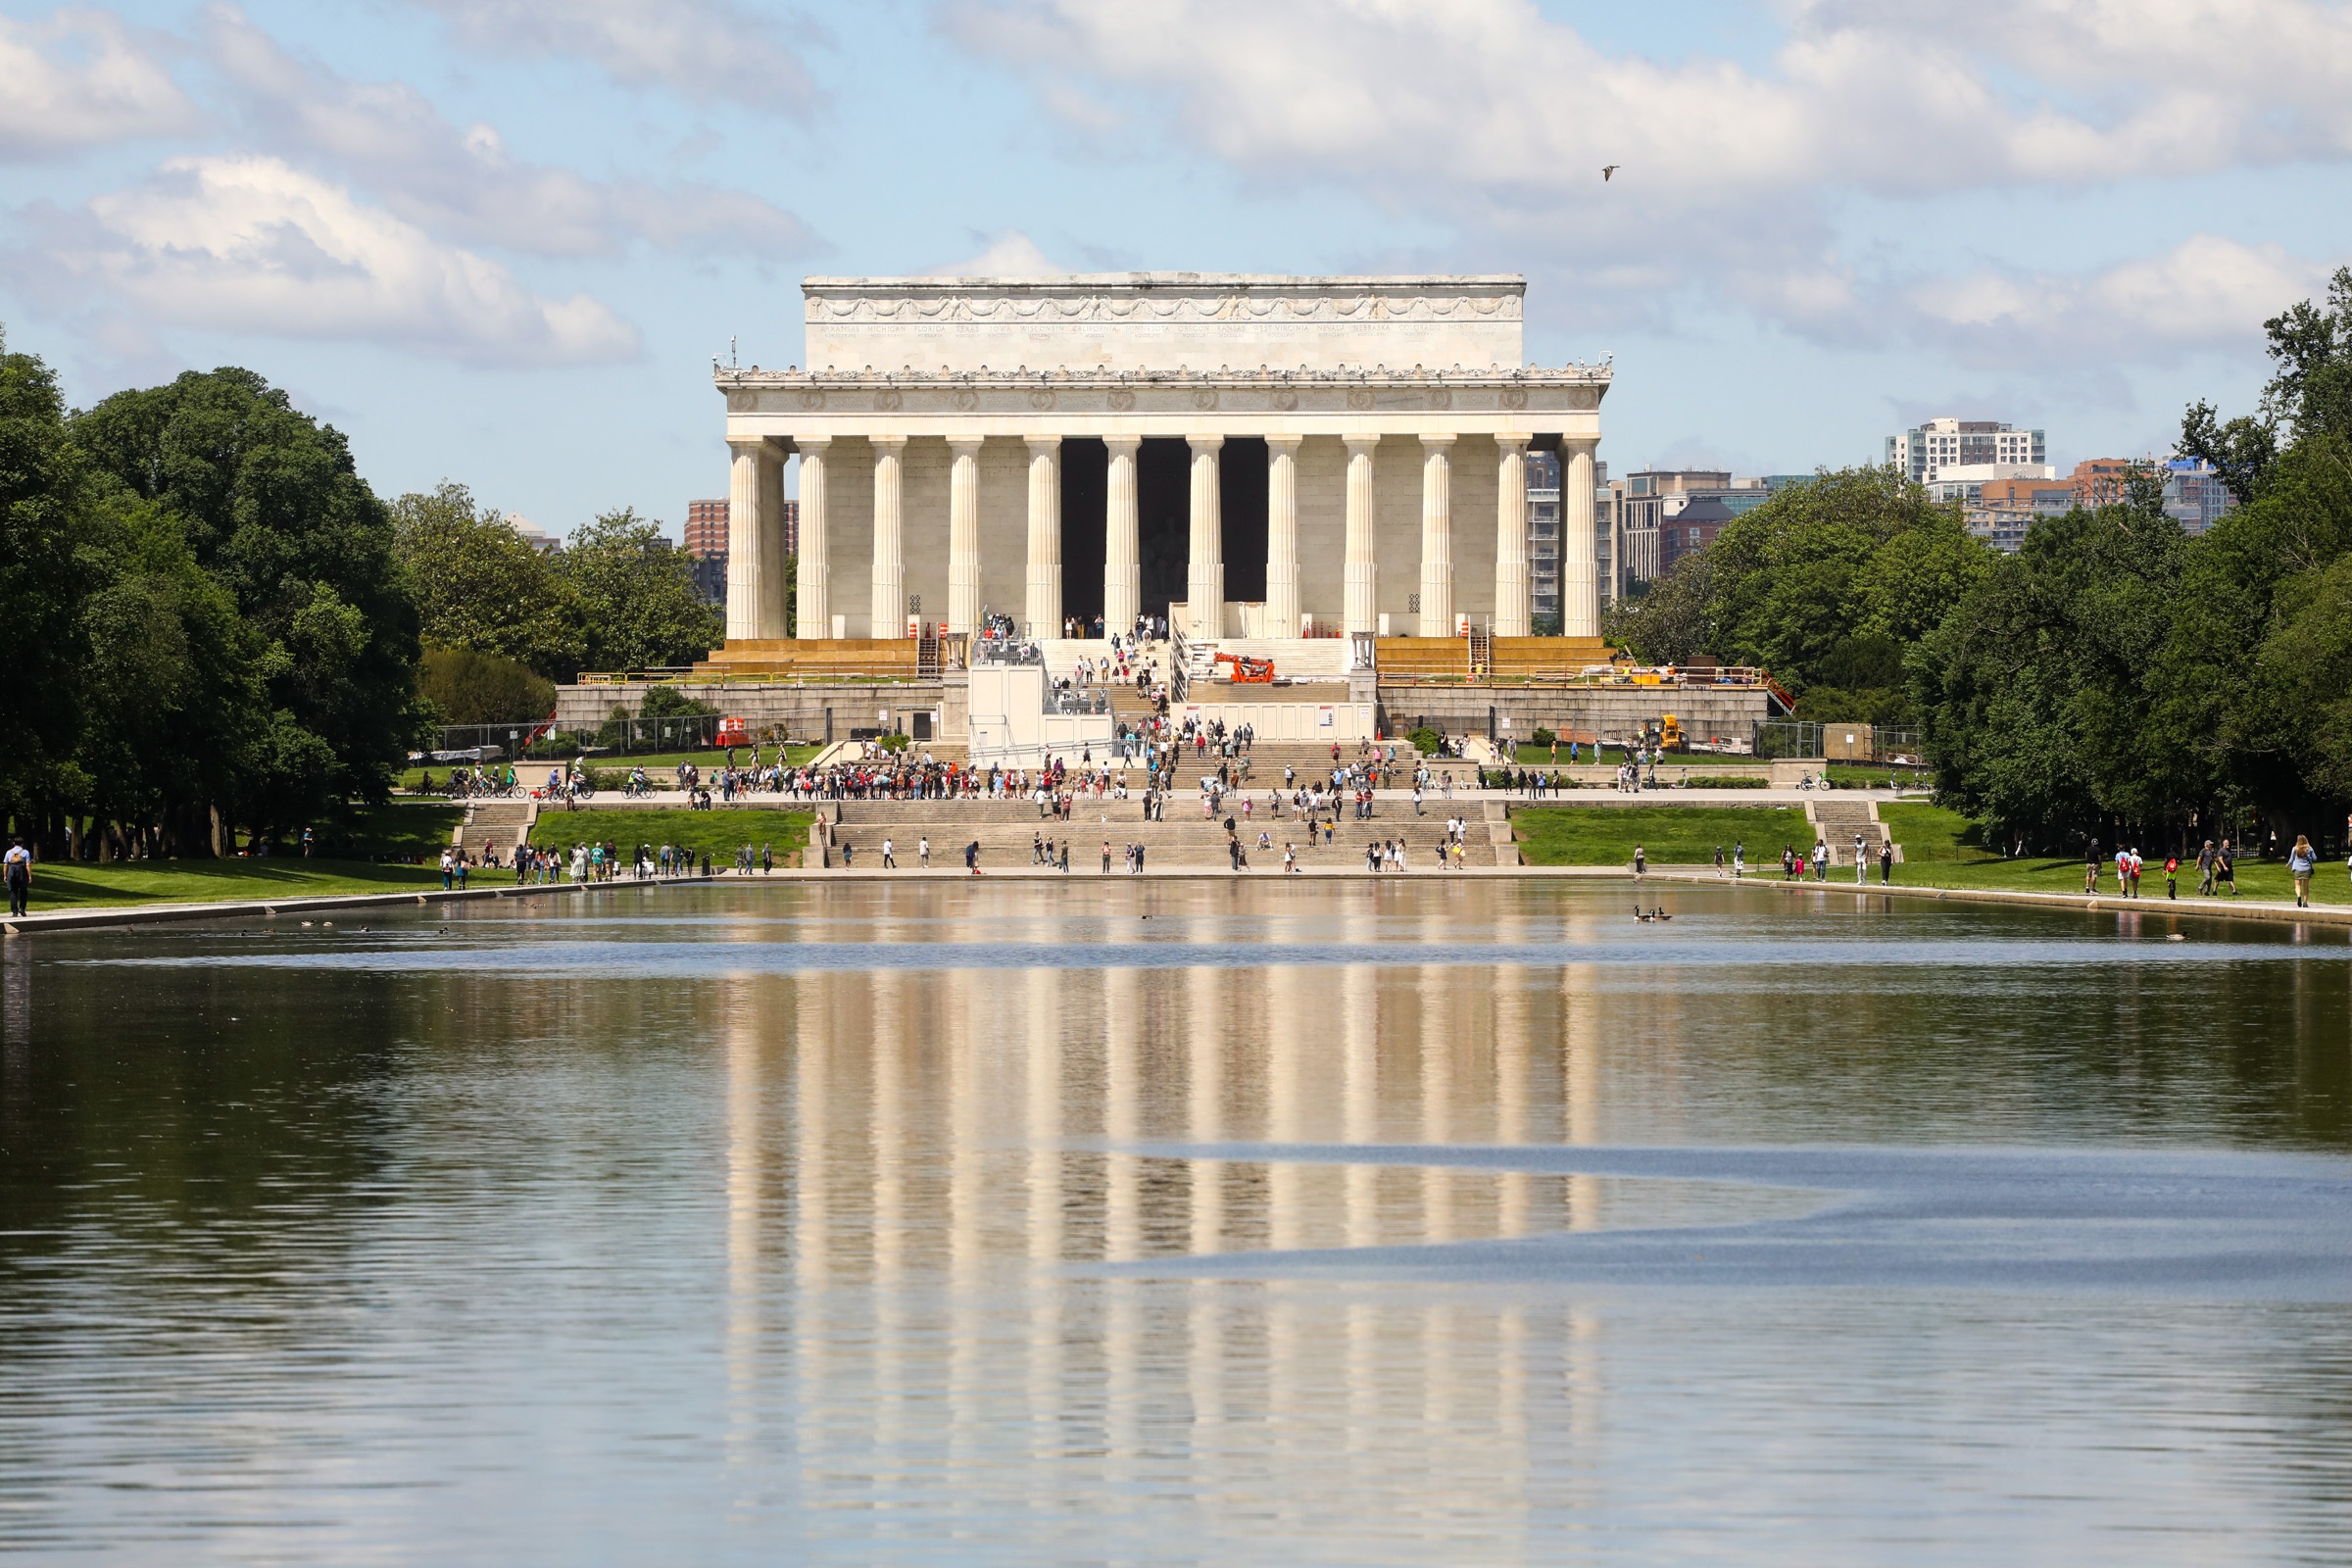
1043 1005
812 1201
1286 1010
1204 1028
1204 1092
1359 1088
1512 1061
890 1158
743 1082
967 1423
1439 1023
1580 1082
1122 1221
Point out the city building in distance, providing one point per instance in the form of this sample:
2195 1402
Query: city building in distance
1926 453
2000 510
1657 521
530 533
707 545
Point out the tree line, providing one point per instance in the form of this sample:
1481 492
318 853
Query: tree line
215 630
2118 677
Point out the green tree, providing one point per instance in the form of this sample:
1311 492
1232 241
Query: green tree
43 489
481 585
2040 713
1671 622
635 591
272 509
2309 395
177 730
467 687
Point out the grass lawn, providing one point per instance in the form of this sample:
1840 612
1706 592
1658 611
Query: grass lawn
1945 849
535 772
62 886
1669 835
719 833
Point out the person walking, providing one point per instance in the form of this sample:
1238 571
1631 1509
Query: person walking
1641 861
19 862
1885 862
890 856
2205 861
1719 859
922 851
2172 876
2301 862
1861 860
1738 860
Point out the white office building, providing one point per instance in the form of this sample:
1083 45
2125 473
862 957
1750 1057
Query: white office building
1925 451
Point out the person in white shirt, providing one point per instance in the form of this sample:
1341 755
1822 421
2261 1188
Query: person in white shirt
18 862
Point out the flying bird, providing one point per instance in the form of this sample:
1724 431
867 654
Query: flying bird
1606 171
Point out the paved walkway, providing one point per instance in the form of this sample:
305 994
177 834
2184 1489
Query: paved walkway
1085 869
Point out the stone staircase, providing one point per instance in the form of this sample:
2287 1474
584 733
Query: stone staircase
503 822
1837 822
1005 831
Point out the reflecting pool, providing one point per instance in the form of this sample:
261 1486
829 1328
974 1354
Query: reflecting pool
1425 1222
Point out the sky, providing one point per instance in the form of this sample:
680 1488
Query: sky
501 241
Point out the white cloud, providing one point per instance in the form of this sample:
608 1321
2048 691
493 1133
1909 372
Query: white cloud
461 182
253 245
1009 253
2208 292
76 79
698 49
1732 181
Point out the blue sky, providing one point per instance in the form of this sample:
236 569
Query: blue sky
499 241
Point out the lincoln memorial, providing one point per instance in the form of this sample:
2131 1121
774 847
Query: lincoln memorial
1260 458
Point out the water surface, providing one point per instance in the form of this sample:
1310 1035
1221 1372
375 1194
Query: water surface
1034 1223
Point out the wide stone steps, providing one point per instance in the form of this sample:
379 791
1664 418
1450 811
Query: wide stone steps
1837 821
1179 840
501 822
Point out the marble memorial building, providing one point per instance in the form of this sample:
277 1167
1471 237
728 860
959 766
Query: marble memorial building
1255 457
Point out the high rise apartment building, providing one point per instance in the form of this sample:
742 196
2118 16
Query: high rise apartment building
705 528
1925 451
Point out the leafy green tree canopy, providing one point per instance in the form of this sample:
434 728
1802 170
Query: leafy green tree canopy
481 585
271 507
467 687
635 591
2309 395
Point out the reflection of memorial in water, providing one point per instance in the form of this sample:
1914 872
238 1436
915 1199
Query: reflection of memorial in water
923 1170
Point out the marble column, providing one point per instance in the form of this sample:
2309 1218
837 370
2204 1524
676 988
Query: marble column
1044 536
776 620
745 584
963 535
1436 536
890 548
1511 617
1204 575
1362 602
1580 584
815 601
1282 536
1122 541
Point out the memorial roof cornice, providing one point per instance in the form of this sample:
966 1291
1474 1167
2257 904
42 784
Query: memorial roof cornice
728 377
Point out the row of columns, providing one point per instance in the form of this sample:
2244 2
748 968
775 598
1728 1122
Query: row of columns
755 566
